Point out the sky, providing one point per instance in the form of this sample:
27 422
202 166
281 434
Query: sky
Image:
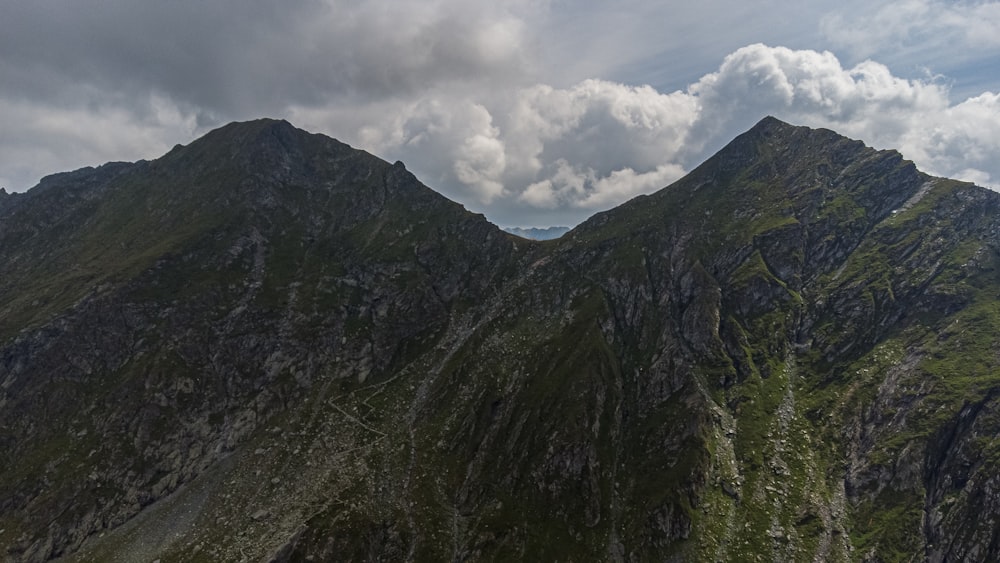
535 113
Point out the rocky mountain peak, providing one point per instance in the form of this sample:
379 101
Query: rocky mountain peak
243 134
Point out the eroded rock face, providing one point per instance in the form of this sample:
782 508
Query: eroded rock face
269 345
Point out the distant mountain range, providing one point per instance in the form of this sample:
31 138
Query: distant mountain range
538 233
269 346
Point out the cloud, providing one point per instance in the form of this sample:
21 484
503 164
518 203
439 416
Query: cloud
544 155
624 184
236 59
813 88
486 102
606 124
865 101
585 189
961 141
452 141
42 138
926 24
571 151
480 159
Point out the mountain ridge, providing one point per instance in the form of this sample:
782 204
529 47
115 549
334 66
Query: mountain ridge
266 342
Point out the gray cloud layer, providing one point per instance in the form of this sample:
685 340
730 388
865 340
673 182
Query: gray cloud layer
529 111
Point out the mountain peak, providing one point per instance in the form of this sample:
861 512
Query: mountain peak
769 122
241 135
253 127
264 148
775 170
775 130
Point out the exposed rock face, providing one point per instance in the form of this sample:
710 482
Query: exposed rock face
268 345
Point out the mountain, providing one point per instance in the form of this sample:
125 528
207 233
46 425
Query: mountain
267 345
538 233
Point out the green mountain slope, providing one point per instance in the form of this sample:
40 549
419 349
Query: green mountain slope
268 345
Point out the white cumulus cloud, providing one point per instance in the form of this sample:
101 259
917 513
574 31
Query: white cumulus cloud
531 111
902 24
37 137
542 151
865 101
